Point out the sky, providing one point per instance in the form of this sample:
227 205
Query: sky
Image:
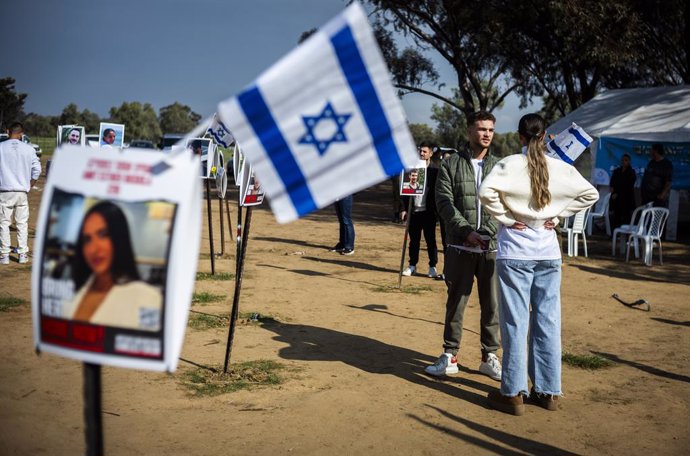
99 54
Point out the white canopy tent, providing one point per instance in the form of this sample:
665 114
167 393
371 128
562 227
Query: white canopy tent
656 114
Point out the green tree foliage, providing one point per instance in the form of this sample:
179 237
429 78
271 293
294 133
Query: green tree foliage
505 144
422 132
140 120
72 116
178 118
11 103
40 126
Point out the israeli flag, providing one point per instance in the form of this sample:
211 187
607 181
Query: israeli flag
324 121
569 144
220 133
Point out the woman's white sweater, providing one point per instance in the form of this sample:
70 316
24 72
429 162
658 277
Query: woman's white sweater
506 193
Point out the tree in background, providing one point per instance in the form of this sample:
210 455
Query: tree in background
422 132
39 125
177 118
11 103
72 116
140 120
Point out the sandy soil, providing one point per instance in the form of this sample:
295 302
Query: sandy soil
360 347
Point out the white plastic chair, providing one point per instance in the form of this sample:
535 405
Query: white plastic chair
601 210
649 230
629 229
578 228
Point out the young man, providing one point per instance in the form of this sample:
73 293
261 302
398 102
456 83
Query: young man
471 250
423 216
19 169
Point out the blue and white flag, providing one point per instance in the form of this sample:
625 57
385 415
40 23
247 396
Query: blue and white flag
220 133
324 121
569 144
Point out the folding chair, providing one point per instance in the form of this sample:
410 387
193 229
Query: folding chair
649 230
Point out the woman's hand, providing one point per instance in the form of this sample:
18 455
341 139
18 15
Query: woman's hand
518 226
549 225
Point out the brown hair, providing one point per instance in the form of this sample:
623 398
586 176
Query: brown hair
532 127
479 115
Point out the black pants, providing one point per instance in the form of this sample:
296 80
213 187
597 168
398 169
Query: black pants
423 221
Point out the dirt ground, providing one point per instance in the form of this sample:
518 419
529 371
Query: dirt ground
360 347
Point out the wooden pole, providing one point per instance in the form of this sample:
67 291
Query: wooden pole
93 417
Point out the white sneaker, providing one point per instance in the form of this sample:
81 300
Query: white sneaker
491 367
446 364
23 258
4 259
432 272
409 271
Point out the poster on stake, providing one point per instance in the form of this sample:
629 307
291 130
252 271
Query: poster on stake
251 190
70 135
413 180
115 257
237 164
111 135
206 150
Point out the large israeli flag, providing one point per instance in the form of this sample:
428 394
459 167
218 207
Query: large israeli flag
324 121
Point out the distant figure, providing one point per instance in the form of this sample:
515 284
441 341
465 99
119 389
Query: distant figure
19 170
622 201
346 241
108 137
656 182
423 217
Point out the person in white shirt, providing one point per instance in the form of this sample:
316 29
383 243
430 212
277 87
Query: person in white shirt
526 194
19 170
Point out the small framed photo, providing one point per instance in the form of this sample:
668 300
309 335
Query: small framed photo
111 135
251 190
73 135
412 181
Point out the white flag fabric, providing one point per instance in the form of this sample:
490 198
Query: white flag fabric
220 133
569 144
324 121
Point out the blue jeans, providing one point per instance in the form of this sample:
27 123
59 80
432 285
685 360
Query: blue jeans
525 282
343 209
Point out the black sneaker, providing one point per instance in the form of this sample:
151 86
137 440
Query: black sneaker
347 251
337 248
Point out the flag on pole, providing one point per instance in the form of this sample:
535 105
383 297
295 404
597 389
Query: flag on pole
324 121
220 133
569 144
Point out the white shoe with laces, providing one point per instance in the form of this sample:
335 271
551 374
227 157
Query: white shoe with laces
23 258
446 364
491 367
4 259
432 272
409 271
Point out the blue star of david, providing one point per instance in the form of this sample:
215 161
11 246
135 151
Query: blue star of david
327 115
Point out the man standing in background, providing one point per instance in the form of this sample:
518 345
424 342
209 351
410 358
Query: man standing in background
19 169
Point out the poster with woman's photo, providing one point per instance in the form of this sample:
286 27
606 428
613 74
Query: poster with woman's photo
206 150
412 180
251 190
71 135
111 135
115 257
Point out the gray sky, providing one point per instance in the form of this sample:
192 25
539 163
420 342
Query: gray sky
99 53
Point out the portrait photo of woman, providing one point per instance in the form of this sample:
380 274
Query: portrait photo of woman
108 285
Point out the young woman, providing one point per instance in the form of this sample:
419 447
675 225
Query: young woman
527 193
110 291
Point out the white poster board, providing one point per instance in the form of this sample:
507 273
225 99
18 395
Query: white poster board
206 150
111 135
237 164
251 190
115 256
413 181
71 135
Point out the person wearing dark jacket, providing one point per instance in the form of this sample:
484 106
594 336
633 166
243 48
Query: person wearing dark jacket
471 250
622 201
423 216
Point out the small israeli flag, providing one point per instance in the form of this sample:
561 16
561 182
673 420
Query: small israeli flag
220 133
324 121
569 144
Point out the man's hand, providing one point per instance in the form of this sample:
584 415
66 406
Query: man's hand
474 239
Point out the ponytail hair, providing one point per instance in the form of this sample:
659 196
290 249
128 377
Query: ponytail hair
532 127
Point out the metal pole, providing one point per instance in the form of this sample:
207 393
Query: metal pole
210 226
222 227
407 228
93 418
238 287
